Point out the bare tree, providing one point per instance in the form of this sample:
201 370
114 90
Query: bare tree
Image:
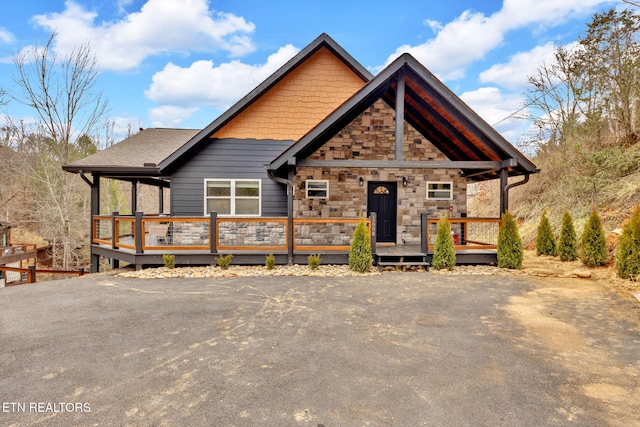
62 93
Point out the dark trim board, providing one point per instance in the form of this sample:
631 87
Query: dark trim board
204 258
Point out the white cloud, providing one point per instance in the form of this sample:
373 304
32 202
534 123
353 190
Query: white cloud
514 74
205 84
6 36
160 26
495 107
169 115
491 104
472 35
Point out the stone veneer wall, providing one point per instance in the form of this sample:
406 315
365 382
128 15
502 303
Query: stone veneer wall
371 136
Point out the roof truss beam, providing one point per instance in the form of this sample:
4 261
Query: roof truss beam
405 164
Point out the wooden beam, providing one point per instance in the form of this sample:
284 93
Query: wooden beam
401 164
399 155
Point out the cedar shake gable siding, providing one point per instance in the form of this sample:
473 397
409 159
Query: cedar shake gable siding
298 102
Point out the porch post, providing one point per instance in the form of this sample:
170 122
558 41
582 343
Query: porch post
114 229
134 195
399 155
213 232
290 225
115 263
160 200
138 233
95 210
504 197
424 233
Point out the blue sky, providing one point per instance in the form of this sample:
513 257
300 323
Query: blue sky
180 63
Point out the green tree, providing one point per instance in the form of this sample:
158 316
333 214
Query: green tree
546 240
360 257
593 244
568 246
444 254
628 249
510 252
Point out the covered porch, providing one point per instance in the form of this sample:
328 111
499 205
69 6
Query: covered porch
143 240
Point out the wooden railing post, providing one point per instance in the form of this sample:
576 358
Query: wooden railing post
424 233
213 232
138 233
32 274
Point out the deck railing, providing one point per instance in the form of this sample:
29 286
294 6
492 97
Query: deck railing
215 234
467 233
322 234
141 233
17 250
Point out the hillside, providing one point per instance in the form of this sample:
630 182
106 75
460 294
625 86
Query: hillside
568 182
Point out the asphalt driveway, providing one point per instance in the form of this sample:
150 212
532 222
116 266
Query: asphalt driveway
401 349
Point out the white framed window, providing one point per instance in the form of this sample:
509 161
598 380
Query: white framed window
233 197
317 189
439 190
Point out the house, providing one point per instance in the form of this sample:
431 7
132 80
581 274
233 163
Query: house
291 167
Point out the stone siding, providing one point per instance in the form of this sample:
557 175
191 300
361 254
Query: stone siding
371 136
261 233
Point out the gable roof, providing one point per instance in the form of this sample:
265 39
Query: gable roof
431 108
322 42
138 154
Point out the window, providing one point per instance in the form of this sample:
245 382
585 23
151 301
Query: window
439 190
317 189
381 189
231 197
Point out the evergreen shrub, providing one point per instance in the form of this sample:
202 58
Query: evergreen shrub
510 252
169 261
568 245
314 261
224 261
628 249
270 262
360 257
444 254
593 245
546 240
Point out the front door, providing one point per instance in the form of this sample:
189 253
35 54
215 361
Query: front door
381 199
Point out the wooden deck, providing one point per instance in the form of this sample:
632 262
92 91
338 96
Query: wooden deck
397 255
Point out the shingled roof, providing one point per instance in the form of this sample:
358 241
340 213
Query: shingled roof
139 154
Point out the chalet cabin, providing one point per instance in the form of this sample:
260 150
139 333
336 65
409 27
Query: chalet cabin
292 166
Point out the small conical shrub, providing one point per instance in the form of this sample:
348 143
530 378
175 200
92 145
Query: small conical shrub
545 240
510 252
593 244
568 245
628 249
444 253
360 258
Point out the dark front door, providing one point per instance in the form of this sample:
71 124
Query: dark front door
381 199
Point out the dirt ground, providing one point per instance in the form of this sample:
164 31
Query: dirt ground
541 311
605 276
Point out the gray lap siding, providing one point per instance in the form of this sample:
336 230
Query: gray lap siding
228 159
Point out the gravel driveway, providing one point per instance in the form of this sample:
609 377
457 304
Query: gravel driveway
399 349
